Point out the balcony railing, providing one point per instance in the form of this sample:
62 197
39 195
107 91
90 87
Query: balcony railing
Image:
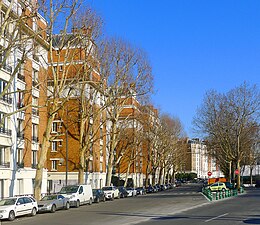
5 164
3 130
35 139
7 99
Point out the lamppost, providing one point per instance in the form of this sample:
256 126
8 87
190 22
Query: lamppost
66 174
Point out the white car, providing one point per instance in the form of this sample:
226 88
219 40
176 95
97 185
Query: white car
131 191
17 206
111 192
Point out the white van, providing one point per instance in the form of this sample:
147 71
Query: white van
78 194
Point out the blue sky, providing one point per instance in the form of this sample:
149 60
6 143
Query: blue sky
193 46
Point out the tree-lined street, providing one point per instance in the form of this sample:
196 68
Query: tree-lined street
182 205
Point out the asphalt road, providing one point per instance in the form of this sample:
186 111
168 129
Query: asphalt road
182 205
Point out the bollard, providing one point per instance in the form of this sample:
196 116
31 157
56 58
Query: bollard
217 197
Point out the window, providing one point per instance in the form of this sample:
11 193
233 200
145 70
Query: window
61 68
35 132
20 128
34 159
20 154
3 84
20 98
35 77
55 127
3 120
54 146
54 165
35 101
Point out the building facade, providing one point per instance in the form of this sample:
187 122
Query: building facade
23 56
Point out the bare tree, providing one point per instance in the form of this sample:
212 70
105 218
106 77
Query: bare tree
228 121
64 68
128 74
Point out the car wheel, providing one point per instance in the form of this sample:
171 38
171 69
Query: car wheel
223 189
104 199
53 208
34 211
67 206
77 204
112 199
98 200
11 216
90 201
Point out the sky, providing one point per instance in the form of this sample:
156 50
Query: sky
193 46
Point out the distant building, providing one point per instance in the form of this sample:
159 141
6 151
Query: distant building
198 161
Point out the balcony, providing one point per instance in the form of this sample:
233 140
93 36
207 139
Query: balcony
35 139
6 99
5 131
5 164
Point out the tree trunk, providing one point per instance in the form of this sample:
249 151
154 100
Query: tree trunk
42 159
111 155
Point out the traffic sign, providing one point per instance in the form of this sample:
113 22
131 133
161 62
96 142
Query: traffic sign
209 173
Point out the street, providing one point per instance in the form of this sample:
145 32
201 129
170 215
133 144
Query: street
182 205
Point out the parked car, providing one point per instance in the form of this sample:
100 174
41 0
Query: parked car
150 189
123 192
131 191
98 195
111 192
78 194
218 186
51 203
17 206
140 191
229 185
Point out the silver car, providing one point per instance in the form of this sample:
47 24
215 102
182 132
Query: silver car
51 203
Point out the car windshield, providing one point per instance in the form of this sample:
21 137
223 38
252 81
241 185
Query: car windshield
94 191
69 189
9 201
49 197
107 188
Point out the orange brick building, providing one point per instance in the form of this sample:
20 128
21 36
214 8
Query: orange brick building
64 155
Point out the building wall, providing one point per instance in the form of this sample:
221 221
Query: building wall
16 170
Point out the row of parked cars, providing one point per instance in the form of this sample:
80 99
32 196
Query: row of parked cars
73 195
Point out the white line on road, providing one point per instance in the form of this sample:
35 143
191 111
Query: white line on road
216 217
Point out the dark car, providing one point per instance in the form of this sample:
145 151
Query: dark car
150 189
98 195
229 185
123 192
140 191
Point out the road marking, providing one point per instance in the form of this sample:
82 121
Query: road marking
216 217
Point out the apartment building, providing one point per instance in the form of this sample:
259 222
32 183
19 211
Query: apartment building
198 161
23 53
64 154
133 144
